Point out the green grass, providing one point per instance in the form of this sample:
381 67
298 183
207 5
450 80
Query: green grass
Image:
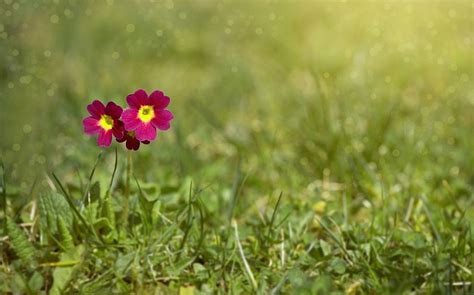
317 148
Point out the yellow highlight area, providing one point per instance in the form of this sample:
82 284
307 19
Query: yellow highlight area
146 113
319 207
106 122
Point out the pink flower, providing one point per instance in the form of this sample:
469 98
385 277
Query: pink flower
146 113
131 142
104 120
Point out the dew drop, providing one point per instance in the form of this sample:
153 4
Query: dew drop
68 13
54 19
41 159
27 128
130 28
25 79
16 147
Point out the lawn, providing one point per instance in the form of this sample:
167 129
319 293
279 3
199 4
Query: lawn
317 147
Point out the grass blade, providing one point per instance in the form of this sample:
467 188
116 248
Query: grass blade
74 209
248 270
86 192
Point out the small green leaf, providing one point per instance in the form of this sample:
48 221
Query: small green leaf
91 212
123 263
51 206
109 212
414 240
338 265
18 284
21 245
66 238
63 274
36 282
197 267
296 278
325 247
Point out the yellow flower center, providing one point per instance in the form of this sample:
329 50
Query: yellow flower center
106 122
146 113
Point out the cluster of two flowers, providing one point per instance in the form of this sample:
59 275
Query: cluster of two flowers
138 123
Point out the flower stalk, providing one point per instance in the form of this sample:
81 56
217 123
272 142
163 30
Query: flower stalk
127 188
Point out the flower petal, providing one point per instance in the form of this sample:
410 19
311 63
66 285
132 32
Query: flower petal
96 109
132 143
115 111
162 119
105 138
145 132
132 101
159 100
142 97
121 139
130 119
91 125
164 115
118 130
161 124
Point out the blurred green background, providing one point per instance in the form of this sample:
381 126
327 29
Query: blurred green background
359 112
293 93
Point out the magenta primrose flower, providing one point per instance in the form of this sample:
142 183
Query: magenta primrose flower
104 121
145 114
131 142
133 126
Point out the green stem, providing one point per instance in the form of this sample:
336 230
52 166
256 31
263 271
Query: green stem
4 197
127 188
